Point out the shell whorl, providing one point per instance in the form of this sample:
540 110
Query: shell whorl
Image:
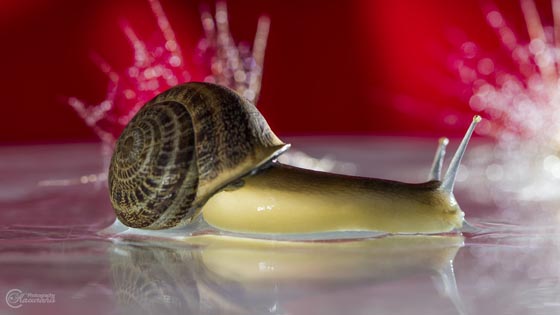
181 148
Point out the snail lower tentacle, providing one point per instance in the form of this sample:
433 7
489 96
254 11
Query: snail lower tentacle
200 148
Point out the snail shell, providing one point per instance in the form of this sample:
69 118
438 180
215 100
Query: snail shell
182 147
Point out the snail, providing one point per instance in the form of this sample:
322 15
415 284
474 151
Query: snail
201 150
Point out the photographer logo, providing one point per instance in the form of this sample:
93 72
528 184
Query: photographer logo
15 298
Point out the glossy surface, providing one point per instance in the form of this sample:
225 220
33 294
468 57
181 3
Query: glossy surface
50 213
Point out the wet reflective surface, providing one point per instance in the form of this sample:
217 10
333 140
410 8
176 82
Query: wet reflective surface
50 213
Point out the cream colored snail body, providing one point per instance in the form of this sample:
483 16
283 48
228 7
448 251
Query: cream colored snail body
201 149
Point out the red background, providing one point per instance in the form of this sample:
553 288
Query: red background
331 67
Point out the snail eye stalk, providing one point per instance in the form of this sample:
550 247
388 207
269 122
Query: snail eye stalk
451 175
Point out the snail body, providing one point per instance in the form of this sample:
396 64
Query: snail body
285 199
201 149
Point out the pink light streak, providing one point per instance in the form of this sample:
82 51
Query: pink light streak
520 97
160 64
523 105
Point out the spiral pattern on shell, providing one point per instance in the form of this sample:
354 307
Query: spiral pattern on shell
152 166
182 147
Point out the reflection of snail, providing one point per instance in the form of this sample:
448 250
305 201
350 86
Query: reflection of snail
201 148
223 275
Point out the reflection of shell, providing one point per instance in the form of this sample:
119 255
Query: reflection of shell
161 280
143 282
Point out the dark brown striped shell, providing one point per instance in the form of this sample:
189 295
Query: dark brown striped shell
181 148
